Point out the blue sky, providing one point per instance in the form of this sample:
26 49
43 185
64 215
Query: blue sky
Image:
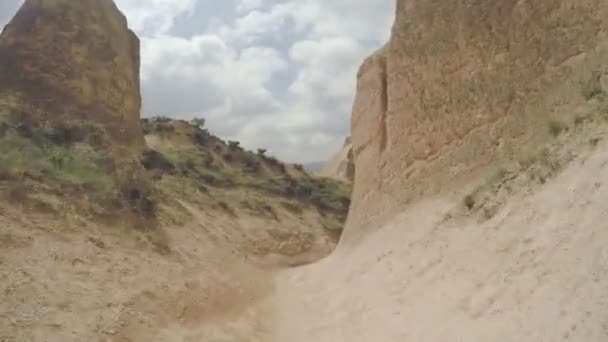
277 74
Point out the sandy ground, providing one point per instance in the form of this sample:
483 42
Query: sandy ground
84 283
536 271
63 278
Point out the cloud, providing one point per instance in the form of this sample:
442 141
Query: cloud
203 76
249 5
152 17
294 98
277 74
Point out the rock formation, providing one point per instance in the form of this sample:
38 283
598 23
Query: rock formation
341 166
465 84
74 60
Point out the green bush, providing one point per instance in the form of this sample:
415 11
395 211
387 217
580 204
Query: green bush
61 156
556 128
78 165
153 160
140 197
198 122
234 145
209 162
201 137
593 87
469 201
332 223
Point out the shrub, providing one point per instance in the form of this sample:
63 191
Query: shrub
556 128
226 208
292 208
153 160
201 137
469 201
162 119
139 196
579 120
275 164
252 166
593 87
228 157
262 152
234 145
325 194
60 134
198 122
55 155
146 126
164 127
79 165
17 192
261 208
157 125
332 223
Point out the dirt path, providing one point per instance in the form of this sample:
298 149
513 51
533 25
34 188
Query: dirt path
64 281
538 271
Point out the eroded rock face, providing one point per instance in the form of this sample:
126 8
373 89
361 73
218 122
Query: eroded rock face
341 166
462 85
65 59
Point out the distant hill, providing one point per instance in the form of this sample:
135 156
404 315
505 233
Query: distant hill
314 167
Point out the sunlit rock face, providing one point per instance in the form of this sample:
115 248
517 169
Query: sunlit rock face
341 166
462 85
74 60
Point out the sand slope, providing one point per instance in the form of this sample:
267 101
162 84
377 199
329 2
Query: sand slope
537 271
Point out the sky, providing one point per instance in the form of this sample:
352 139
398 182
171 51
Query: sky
274 74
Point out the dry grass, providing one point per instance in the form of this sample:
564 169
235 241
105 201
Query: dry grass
196 159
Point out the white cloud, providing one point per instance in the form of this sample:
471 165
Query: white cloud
325 42
249 5
154 16
278 74
257 24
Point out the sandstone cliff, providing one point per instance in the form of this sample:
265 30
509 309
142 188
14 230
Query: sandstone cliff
465 84
341 166
74 60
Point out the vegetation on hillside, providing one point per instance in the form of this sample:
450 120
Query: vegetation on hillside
186 158
73 159
66 158
545 160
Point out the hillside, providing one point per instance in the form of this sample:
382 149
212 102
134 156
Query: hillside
190 164
122 229
478 153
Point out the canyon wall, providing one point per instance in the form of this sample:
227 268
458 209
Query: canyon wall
341 166
463 85
74 60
